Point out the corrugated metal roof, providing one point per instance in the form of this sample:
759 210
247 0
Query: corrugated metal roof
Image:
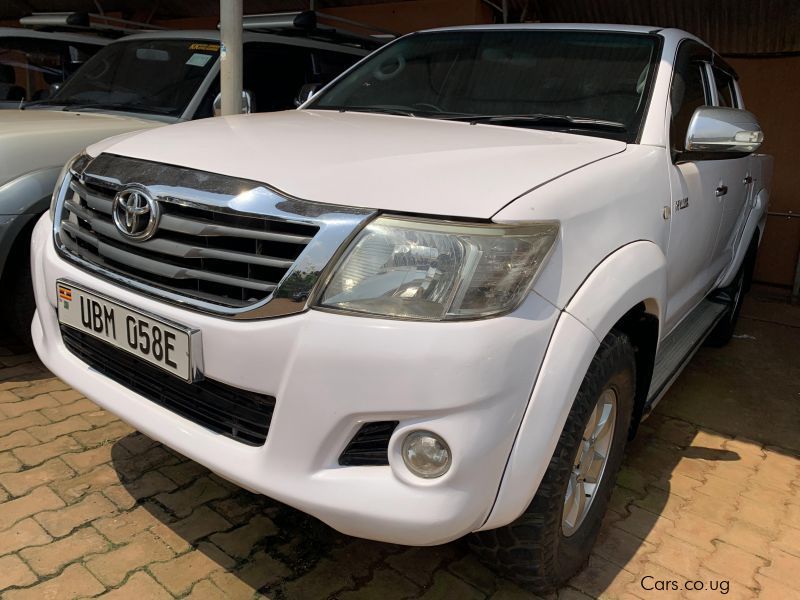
743 27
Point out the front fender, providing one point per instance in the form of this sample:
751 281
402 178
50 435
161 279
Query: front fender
633 274
21 200
30 193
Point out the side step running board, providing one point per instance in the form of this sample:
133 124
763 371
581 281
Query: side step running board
680 346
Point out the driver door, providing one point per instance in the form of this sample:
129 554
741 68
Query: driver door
696 209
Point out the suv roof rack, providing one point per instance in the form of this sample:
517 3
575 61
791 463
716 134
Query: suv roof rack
84 22
306 24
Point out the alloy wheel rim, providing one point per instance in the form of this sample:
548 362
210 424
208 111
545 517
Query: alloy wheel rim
590 462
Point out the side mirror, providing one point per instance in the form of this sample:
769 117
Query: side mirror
247 103
719 130
307 92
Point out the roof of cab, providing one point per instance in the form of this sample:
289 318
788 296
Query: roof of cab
672 37
546 26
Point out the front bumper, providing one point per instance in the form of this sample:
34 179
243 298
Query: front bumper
469 382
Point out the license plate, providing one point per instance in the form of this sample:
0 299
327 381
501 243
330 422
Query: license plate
164 344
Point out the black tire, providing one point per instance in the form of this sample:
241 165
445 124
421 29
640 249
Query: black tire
734 295
17 304
534 550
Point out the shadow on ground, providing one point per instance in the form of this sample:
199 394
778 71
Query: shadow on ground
264 545
19 361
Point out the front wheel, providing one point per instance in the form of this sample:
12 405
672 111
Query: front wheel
551 541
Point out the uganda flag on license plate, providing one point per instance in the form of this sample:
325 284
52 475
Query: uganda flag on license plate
65 293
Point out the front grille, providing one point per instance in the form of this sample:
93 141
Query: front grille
238 414
233 260
370 446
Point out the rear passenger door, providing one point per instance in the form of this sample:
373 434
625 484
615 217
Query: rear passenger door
734 174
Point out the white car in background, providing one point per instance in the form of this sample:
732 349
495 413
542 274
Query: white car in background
138 82
437 299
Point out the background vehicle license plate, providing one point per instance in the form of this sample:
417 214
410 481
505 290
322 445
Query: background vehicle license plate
154 340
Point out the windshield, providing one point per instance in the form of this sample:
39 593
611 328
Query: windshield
572 80
148 76
30 66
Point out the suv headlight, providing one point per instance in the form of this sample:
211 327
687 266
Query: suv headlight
74 166
429 270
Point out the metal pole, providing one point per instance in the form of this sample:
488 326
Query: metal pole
505 11
230 77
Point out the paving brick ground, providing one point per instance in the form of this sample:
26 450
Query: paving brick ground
91 508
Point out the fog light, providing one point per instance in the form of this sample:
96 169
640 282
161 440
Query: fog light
426 454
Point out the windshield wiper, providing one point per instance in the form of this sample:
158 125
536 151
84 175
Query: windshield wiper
376 110
25 105
539 119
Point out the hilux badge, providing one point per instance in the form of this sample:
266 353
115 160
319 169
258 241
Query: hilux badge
135 213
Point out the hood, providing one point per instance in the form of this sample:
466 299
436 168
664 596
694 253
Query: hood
376 161
36 139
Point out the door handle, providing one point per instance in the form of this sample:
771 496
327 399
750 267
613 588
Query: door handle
721 190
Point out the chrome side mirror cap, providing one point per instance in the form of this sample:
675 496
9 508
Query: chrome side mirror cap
247 103
307 91
716 129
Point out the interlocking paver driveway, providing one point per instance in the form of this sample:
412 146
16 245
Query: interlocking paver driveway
710 492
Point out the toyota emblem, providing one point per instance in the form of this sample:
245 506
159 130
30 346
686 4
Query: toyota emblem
135 214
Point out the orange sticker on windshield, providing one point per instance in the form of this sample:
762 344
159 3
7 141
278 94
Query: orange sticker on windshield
206 47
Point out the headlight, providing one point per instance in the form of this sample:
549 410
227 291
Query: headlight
75 164
423 269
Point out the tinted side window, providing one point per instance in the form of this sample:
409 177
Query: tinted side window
274 74
688 92
725 90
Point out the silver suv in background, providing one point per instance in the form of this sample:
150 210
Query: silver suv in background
138 82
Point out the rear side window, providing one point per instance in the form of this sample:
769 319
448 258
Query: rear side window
726 91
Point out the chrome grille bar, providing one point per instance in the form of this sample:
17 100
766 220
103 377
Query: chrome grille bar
142 263
93 201
173 248
194 227
223 245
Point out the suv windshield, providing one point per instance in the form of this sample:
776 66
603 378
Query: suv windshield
579 81
149 76
30 66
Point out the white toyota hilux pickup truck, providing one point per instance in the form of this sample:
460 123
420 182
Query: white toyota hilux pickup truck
434 301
